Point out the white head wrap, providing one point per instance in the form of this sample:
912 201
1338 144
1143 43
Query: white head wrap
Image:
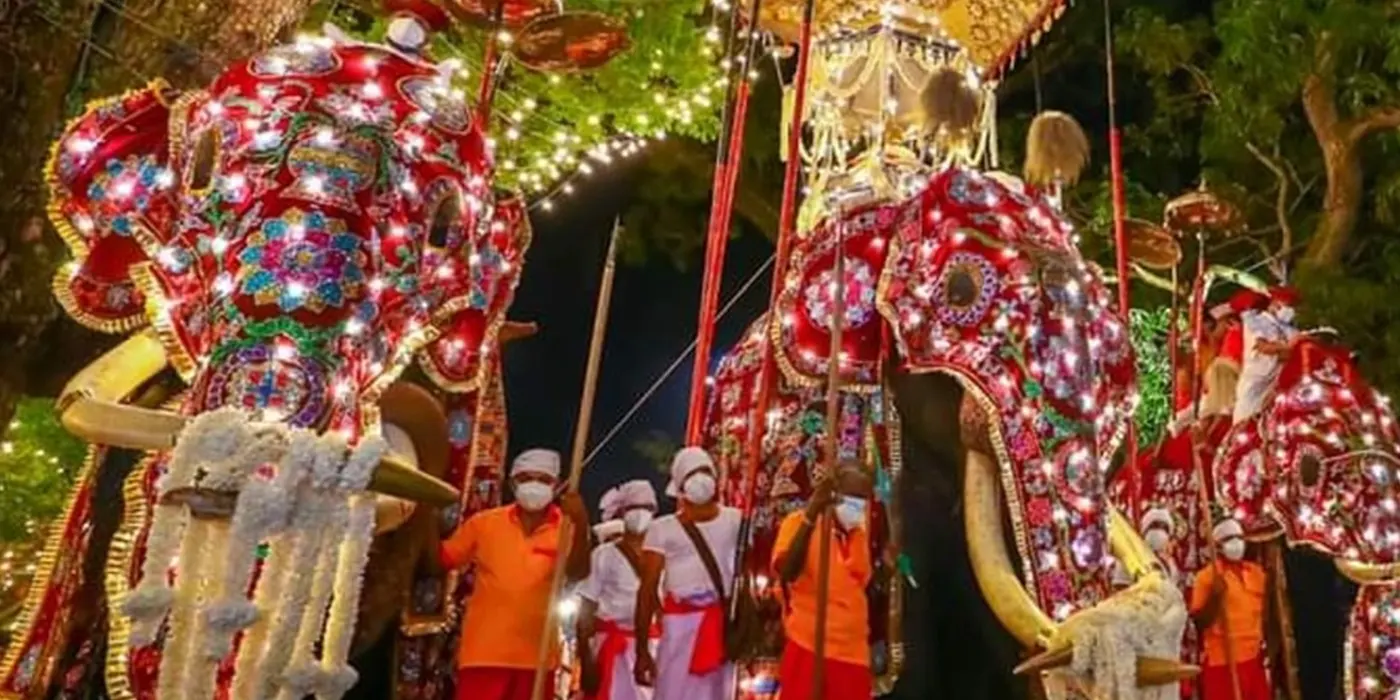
608 529
610 504
687 461
536 461
638 492
1226 529
1157 517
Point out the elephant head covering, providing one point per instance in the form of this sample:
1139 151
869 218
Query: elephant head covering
536 461
686 462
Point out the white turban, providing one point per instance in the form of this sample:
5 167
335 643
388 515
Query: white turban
1157 517
609 504
1227 529
536 461
686 462
638 492
607 529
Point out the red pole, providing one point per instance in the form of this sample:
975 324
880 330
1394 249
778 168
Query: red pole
721 213
786 224
487 92
1120 209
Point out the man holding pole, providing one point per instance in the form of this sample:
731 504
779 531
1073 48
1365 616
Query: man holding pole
605 625
846 656
1228 605
513 549
695 550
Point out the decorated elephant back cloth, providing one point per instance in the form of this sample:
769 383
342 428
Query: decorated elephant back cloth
296 233
1323 452
983 281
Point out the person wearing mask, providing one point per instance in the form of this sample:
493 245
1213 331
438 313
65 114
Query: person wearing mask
1230 592
797 562
611 528
609 601
1156 526
692 552
1268 337
513 550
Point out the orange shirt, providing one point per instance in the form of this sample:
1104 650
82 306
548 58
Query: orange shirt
847 614
1245 587
505 615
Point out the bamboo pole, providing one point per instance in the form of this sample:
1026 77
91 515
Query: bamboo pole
833 430
491 66
585 417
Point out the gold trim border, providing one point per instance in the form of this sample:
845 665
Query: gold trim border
119 560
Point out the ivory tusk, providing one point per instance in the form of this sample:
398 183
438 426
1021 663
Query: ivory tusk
986 548
91 408
1364 574
1151 671
1128 546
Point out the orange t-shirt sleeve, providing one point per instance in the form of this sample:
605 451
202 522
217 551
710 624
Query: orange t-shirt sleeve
457 551
787 532
1200 591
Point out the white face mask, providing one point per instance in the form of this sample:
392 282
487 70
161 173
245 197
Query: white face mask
1157 540
636 521
850 512
699 489
1284 314
1233 549
533 495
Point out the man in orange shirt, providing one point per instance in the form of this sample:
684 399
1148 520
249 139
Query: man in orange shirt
1231 592
513 550
846 653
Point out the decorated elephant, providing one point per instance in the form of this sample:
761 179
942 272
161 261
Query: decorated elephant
983 366
281 247
1317 469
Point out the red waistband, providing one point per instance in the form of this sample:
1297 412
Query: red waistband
708 653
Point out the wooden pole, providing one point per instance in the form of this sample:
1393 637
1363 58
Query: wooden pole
585 417
1284 610
490 67
833 445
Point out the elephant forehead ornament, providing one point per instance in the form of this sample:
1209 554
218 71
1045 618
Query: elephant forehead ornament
293 236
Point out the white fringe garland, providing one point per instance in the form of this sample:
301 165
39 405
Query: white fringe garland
318 521
1147 619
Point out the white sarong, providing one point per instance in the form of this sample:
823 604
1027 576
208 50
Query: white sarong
673 678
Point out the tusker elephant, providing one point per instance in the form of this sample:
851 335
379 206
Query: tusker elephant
1317 469
280 246
982 358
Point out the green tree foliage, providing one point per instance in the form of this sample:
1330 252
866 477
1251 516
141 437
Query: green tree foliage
1149 337
39 461
657 447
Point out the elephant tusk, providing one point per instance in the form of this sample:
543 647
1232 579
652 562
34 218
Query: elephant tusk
1151 671
90 405
1363 574
91 408
986 548
516 330
1128 546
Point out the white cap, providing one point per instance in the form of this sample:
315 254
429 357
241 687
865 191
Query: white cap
609 504
608 529
686 462
638 492
1157 517
407 33
536 461
1227 529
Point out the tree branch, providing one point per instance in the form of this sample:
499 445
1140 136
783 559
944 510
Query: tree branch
1275 260
1319 98
1378 118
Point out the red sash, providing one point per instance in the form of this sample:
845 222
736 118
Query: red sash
614 645
708 653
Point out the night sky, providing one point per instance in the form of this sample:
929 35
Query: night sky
652 320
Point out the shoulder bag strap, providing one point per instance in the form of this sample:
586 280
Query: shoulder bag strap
632 559
707 557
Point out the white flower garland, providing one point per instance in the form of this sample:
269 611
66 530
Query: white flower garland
1147 619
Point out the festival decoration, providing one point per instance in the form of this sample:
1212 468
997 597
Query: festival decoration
1151 245
295 236
571 41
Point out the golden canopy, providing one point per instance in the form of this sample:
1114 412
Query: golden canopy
989 31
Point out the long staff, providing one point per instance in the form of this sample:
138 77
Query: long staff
833 445
727 163
585 417
1198 304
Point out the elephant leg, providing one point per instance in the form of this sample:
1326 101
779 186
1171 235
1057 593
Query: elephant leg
1321 600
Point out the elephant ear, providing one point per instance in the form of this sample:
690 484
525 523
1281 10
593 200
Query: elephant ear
471 319
1332 445
110 197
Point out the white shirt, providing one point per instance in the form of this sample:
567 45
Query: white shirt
685 577
1259 369
612 585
